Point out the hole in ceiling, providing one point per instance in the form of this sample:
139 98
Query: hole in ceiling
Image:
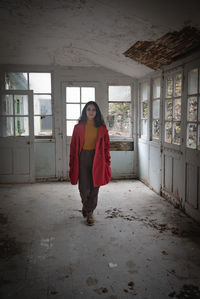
166 49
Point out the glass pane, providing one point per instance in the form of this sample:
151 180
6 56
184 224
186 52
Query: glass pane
42 104
192 81
192 136
6 105
144 128
120 119
144 110
156 88
87 94
199 111
177 133
144 91
168 132
119 93
82 106
16 81
21 104
156 109
177 109
155 129
21 126
6 126
70 127
192 109
43 125
169 87
198 147
178 85
73 94
40 82
168 110
72 111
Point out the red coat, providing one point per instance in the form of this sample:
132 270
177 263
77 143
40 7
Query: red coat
101 171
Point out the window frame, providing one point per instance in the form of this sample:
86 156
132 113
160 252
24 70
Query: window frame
197 95
141 119
167 75
152 100
51 136
80 84
121 138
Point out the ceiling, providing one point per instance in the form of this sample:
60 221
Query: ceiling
88 32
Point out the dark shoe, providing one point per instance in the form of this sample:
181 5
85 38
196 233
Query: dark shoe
90 219
84 212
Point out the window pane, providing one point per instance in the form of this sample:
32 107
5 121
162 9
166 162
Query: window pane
144 128
73 94
6 126
156 88
42 104
119 93
199 110
155 129
144 91
70 127
156 109
6 105
177 109
168 132
16 81
169 87
82 106
192 81
192 109
168 110
43 125
21 104
40 82
144 110
87 94
177 133
198 137
72 111
178 85
192 136
120 119
21 126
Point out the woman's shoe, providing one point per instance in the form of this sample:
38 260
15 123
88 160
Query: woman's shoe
84 212
90 219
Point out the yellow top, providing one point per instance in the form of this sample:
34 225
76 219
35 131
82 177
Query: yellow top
91 133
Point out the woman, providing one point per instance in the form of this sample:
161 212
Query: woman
90 157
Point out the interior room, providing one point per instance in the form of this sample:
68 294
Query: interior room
140 62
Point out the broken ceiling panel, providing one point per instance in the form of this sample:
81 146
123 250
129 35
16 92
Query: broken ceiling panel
166 49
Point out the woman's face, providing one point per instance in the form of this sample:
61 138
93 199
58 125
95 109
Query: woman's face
91 112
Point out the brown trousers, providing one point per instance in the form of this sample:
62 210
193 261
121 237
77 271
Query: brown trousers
88 193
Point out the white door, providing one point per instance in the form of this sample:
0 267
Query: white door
16 136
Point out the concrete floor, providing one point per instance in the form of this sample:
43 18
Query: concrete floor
140 245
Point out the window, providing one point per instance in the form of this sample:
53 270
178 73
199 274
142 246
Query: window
173 93
76 98
193 110
156 109
119 111
14 115
144 93
40 83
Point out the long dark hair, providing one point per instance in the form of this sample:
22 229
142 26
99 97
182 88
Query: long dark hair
98 120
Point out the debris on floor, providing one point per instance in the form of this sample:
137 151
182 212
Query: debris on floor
111 265
187 291
101 290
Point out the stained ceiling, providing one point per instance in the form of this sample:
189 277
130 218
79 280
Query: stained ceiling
88 32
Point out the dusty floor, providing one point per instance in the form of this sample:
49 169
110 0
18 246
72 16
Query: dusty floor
140 246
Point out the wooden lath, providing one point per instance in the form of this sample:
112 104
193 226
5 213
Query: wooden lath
166 49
